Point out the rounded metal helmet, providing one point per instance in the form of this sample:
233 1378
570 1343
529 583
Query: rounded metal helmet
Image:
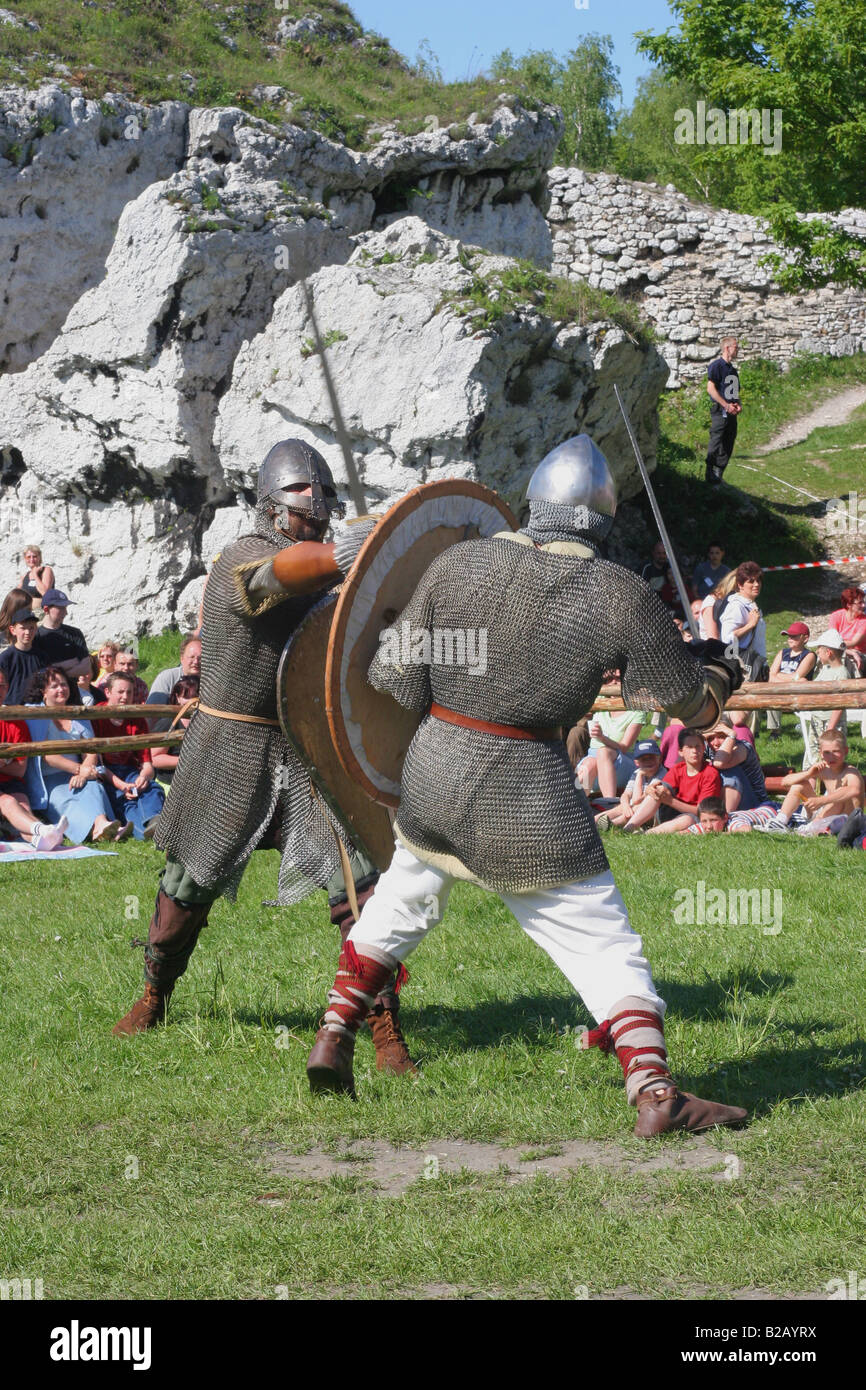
575 474
293 463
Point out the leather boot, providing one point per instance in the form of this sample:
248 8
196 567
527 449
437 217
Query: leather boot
663 1108
392 1052
171 938
383 1020
358 982
145 1013
329 1065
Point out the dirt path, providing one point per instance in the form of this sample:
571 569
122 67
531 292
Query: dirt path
393 1170
834 411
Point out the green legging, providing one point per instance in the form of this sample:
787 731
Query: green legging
179 884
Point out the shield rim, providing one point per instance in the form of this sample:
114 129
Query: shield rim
395 515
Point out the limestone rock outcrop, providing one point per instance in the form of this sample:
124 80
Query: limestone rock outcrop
141 392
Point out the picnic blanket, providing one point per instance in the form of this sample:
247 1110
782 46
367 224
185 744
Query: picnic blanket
16 851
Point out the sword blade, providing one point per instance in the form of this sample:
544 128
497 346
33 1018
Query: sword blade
663 530
356 492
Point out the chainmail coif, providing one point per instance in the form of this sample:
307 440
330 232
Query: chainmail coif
552 521
508 810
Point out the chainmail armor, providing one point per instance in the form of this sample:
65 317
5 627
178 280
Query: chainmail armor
506 809
552 521
232 778
266 528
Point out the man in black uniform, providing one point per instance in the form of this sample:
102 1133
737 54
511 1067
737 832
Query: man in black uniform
238 785
723 388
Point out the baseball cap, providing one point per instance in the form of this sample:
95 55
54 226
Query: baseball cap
54 598
23 615
645 746
830 638
795 630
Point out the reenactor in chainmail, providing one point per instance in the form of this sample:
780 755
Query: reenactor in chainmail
238 784
488 793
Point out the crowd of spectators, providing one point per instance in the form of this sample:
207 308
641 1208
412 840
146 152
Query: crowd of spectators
684 781
47 662
677 781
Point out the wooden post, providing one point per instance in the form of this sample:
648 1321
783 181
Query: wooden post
87 713
72 747
756 695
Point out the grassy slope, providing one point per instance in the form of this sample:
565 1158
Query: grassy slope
145 50
755 517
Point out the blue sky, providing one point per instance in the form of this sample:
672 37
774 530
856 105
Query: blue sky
467 34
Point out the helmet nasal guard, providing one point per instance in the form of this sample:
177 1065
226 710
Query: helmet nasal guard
289 466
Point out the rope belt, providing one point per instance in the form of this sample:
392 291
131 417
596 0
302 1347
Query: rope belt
224 714
465 721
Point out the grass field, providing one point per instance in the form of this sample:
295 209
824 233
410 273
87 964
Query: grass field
150 1168
193 1163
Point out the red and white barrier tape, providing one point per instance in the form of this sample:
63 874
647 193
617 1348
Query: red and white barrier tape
816 564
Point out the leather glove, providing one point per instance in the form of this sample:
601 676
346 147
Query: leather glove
712 655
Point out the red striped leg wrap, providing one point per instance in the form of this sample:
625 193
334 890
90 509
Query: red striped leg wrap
359 979
637 1036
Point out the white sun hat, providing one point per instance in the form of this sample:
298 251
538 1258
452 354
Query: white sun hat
830 638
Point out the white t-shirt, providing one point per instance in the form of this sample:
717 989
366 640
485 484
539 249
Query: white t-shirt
656 777
707 603
614 723
736 611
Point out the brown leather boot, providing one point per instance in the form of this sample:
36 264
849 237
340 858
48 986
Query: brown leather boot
392 1053
661 1108
329 1065
171 938
145 1013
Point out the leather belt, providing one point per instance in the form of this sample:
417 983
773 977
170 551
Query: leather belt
244 718
465 721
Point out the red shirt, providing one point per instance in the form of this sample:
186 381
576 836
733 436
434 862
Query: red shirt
12 731
694 789
851 630
126 728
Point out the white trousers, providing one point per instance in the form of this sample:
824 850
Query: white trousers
582 926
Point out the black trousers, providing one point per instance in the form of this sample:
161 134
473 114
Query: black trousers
723 432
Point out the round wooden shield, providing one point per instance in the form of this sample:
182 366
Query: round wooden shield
370 731
301 709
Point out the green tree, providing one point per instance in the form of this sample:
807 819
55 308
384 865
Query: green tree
807 60
585 84
644 146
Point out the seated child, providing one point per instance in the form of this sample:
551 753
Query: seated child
820 812
831 667
609 758
739 766
685 784
713 816
648 761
